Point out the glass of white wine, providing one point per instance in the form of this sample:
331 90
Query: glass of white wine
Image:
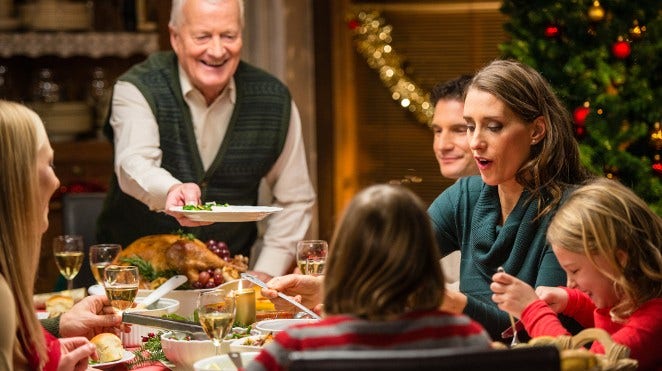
216 312
121 283
101 256
311 256
68 251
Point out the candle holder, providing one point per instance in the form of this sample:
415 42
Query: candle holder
245 304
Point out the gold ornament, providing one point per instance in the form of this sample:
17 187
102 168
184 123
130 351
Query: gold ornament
596 12
636 32
372 39
656 136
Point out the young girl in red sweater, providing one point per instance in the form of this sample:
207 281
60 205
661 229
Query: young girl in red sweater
609 243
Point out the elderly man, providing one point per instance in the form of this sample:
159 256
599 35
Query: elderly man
198 125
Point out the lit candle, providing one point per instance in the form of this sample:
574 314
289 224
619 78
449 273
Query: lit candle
245 304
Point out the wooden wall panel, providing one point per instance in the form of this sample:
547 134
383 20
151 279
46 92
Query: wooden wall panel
437 41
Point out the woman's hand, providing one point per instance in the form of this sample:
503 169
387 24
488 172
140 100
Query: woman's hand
305 289
511 294
555 297
89 317
454 302
75 353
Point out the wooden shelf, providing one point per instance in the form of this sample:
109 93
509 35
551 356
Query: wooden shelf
71 44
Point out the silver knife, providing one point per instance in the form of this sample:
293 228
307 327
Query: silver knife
192 328
289 299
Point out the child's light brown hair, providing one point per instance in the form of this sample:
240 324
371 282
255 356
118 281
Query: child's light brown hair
383 259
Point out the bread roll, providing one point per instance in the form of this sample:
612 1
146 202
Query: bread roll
109 347
58 304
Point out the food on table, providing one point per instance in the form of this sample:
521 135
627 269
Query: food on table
58 304
165 255
109 347
258 341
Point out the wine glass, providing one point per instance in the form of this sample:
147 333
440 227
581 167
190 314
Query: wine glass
101 255
216 312
311 256
121 284
68 251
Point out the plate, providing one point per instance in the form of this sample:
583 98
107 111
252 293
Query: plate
228 213
126 357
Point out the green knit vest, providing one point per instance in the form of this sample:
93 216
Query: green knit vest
253 142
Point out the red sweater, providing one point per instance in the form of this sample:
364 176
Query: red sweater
418 330
53 348
641 332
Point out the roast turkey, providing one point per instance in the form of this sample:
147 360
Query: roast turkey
178 253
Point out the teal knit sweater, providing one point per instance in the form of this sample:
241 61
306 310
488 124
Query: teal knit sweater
466 217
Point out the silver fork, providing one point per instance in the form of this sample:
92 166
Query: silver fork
515 340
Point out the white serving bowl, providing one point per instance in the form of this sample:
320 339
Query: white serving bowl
277 325
222 362
186 298
184 353
246 344
161 307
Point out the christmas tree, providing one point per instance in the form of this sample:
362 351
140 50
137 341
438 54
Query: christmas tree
604 59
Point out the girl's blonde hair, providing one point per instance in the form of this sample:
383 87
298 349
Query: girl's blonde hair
383 259
606 218
21 136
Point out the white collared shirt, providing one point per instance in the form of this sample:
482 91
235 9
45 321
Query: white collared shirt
139 172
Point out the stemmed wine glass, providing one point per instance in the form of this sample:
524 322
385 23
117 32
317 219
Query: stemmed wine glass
121 283
101 255
311 256
68 251
216 312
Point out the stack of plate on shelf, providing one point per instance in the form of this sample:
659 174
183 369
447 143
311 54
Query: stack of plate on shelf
56 15
64 120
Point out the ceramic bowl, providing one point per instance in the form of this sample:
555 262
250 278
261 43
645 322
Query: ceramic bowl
161 307
277 325
184 353
248 344
222 362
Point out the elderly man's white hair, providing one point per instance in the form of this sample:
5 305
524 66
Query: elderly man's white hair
176 11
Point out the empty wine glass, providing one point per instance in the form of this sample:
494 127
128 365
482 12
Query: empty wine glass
68 251
121 283
216 312
311 256
101 256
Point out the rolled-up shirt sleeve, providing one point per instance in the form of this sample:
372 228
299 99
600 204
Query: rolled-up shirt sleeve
137 148
291 188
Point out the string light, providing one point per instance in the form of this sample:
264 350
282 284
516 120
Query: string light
372 39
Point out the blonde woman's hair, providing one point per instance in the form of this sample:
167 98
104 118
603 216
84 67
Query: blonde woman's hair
605 218
21 135
554 163
176 13
383 259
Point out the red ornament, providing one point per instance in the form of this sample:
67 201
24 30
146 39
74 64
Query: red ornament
621 49
580 132
657 168
552 31
579 115
353 24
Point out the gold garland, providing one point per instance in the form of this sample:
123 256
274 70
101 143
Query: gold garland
372 38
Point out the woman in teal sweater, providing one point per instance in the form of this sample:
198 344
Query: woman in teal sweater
522 140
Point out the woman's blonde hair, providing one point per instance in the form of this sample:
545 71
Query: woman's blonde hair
21 135
554 163
383 259
605 218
